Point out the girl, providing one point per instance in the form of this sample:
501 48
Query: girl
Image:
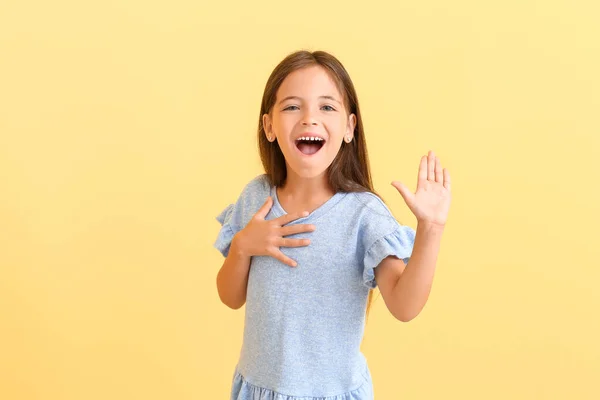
307 241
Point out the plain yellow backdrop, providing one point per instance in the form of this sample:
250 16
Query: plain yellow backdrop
127 126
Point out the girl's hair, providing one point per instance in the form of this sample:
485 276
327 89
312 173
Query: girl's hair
349 171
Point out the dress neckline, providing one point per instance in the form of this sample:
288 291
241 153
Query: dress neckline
278 210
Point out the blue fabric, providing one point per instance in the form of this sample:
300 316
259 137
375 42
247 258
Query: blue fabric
304 325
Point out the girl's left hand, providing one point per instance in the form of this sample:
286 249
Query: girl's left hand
431 202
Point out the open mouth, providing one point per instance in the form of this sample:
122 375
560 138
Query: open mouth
309 146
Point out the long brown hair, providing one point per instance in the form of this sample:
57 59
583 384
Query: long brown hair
349 171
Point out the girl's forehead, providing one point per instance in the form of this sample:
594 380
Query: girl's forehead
311 81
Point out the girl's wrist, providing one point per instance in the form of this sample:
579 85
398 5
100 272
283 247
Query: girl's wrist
427 225
237 245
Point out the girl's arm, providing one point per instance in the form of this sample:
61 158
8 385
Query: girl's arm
405 288
232 279
405 292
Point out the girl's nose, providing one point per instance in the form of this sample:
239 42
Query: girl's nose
309 121
308 117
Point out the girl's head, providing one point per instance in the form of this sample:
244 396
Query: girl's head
311 95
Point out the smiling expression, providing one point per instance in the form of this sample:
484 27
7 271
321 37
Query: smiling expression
309 120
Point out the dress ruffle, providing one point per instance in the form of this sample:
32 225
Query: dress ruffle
244 390
399 243
226 233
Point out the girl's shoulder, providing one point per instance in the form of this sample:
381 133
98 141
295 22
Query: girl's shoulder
372 206
258 186
253 196
373 217
236 215
379 232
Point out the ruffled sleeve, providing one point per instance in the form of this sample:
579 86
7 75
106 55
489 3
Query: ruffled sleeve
398 243
227 231
235 216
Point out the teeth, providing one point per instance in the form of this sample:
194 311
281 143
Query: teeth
311 138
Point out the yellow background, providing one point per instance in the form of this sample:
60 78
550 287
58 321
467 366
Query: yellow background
127 126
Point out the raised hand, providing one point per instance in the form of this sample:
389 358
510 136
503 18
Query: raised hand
263 237
431 202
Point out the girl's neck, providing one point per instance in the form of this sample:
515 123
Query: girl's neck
299 194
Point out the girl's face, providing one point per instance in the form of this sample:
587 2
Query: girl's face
309 121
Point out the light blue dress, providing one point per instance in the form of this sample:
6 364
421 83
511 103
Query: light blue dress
304 324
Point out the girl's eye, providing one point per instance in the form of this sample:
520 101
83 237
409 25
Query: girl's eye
329 108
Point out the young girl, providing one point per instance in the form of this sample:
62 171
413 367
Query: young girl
307 241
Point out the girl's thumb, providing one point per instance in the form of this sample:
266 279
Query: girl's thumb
264 210
403 190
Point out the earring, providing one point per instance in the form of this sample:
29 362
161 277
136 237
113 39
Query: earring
347 139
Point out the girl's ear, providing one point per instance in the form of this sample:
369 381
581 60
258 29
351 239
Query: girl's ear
350 126
267 126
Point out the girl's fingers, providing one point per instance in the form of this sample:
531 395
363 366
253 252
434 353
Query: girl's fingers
446 179
439 173
285 242
431 167
264 210
422 177
299 228
287 218
284 259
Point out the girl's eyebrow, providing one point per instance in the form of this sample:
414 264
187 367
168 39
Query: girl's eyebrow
299 98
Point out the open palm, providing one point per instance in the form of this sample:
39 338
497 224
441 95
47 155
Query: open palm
431 202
